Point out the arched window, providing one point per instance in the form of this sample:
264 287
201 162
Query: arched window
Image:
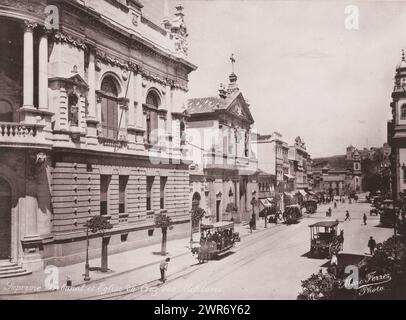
153 102
109 108
6 112
403 111
246 149
73 110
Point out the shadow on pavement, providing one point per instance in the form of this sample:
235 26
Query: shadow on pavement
309 256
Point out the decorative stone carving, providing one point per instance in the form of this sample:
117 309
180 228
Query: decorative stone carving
41 159
125 76
135 20
66 38
29 26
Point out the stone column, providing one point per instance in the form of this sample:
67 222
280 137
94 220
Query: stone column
43 71
28 69
168 106
131 100
92 87
138 97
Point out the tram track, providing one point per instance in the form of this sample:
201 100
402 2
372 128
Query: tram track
137 289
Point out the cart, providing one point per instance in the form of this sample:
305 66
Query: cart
311 206
324 240
218 239
292 214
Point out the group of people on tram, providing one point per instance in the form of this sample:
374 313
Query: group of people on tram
222 238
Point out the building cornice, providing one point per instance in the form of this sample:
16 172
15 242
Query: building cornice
133 39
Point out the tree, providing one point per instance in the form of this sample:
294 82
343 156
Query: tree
164 223
318 287
99 224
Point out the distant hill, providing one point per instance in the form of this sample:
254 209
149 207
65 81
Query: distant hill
338 162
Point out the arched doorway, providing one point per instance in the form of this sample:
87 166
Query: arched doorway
109 108
5 220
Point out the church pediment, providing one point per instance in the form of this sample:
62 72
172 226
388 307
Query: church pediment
240 108
79 81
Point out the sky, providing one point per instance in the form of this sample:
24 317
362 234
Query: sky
303 72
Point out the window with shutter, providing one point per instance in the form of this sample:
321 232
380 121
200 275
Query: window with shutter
109 108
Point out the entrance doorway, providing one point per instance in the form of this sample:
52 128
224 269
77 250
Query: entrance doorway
5 220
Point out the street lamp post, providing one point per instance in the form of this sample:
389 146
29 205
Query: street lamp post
87 266
191 229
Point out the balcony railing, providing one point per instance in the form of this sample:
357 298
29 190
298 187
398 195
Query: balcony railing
21 133
107 142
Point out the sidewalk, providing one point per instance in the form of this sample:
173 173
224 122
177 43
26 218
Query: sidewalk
142 259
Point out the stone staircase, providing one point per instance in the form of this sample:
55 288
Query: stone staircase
11 270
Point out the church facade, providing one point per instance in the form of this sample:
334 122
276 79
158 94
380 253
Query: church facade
223 176
92 114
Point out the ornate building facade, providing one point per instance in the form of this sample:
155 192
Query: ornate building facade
91 123
338 175
224 171
397 130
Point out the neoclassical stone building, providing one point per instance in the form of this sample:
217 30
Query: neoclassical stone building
92 117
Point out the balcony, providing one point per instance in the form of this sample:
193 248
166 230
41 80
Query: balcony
114 143
16 134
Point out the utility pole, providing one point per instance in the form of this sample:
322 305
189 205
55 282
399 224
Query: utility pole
87 266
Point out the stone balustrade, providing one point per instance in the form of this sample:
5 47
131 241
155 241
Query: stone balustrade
21 133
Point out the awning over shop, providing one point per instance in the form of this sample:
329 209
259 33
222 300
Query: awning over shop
303 193
265 203
289 194
289 177
271 200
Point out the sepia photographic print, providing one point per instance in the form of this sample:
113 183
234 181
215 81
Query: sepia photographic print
202 150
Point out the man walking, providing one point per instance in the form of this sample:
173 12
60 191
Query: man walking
347 216
372 245
365 219
163 267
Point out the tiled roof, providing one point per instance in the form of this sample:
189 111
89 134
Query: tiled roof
204 105
264 137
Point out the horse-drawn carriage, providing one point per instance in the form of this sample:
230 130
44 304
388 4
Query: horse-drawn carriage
292 214
324 240
310 205
216 240
388 214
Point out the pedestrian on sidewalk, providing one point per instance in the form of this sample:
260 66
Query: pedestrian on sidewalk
254 222
347 216
365 219
372 245
163 267
335 204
